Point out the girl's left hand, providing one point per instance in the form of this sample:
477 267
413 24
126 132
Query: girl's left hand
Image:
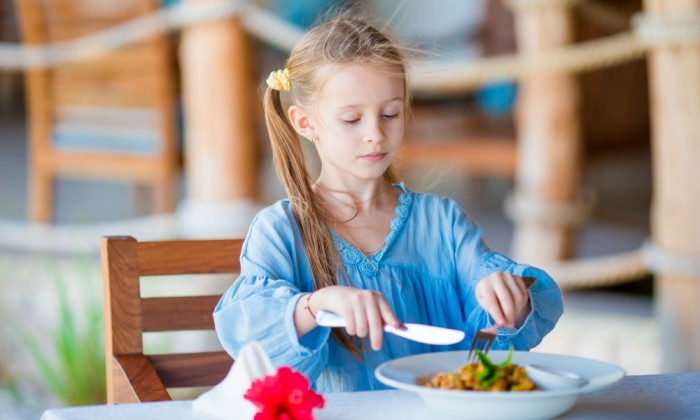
505 297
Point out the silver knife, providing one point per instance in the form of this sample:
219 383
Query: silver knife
416 332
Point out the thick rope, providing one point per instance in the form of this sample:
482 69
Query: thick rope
653 31
663 260
601 271
584 56
520 207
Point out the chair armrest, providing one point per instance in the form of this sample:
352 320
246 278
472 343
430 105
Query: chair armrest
135 380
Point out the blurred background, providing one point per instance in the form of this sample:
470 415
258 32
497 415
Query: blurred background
165 138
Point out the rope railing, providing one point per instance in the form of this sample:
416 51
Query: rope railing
584 56
36 56
600 271
439 77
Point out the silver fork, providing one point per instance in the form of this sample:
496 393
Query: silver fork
483 340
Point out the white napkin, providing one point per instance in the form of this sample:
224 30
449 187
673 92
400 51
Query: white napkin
226 400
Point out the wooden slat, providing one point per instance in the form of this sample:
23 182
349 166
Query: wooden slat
491 156
140 383
67 97
191 369
122 61
190 257
131 167
178 313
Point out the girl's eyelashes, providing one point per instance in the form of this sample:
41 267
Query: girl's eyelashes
357 120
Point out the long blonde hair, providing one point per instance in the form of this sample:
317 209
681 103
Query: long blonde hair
346 39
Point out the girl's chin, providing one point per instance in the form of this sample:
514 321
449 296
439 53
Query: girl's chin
373 173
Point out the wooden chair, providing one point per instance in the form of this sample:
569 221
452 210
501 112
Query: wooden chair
133 376
111 117
456 136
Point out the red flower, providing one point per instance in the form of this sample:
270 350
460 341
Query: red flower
283 396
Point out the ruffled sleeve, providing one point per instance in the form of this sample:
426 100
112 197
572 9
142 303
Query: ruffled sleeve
260 304
474 261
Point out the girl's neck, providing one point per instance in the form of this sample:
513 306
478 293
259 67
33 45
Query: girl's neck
367 197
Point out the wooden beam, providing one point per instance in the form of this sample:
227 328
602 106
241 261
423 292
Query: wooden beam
221 162
674 73
548 136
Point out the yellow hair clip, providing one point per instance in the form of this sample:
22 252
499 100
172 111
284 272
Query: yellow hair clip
279 80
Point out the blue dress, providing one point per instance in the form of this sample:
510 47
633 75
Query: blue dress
427 271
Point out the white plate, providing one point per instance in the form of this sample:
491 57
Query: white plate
402 374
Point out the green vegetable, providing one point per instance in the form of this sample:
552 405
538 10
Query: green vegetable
488 375
508 359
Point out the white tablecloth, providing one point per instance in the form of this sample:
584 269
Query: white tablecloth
675 396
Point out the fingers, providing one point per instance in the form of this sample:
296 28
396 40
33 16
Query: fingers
366 312
520 296
503 296
388 314
385 316
488 299
510 297
376 329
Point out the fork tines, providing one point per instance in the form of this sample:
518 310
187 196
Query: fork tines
483 340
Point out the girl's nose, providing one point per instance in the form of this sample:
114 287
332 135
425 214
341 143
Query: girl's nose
375 134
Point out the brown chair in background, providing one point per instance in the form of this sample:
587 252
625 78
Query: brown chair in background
111 117
450 132
457 136
133 376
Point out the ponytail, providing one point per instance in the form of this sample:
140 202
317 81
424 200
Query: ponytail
309 210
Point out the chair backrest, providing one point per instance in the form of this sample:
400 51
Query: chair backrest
112 116
133 376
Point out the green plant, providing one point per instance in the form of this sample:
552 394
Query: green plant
72 366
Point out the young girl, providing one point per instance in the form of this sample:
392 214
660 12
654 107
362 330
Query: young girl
356 242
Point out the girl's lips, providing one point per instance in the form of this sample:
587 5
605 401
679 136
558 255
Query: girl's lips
374 157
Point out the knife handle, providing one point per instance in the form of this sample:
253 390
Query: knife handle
329 319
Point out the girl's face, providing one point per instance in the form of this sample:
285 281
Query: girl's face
358 121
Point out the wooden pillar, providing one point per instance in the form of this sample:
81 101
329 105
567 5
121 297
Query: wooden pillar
548 172
674 73
221 160
39 98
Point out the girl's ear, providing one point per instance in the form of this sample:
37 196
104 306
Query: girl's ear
300 121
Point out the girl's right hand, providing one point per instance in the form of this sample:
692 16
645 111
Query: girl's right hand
365 311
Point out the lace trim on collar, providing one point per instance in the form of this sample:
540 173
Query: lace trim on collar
369 265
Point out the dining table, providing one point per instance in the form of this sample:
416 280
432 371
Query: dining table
660 396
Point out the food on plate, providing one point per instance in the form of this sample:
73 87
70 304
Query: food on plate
484 376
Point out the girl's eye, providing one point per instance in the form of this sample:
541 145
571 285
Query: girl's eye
390 117
351 122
